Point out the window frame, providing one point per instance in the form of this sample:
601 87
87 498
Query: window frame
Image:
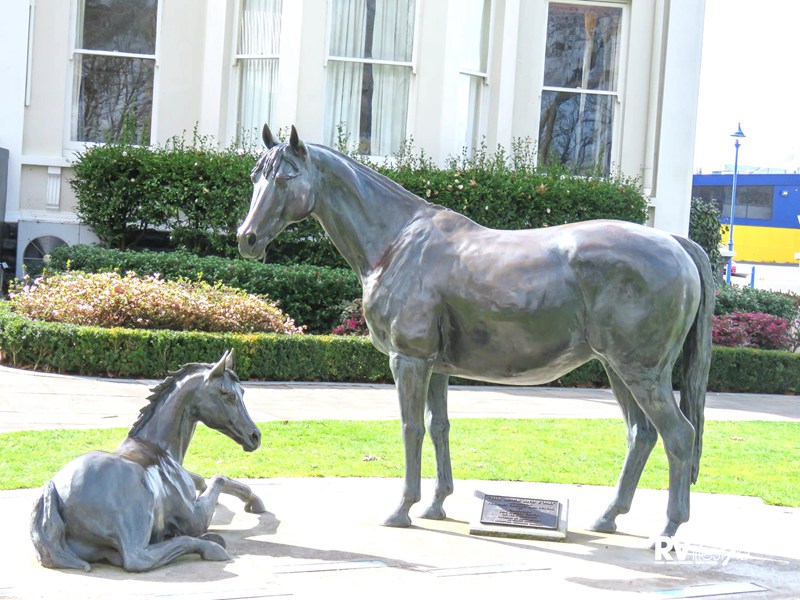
618 94
411 64
72 97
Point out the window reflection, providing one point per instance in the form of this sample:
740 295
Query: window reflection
580 86
114 94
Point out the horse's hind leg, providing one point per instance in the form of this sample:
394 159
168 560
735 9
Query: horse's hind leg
658 403
411 376
439 430
642 437
152 556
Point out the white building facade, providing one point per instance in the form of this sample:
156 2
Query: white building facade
601 85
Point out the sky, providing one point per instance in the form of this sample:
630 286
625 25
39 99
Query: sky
750 75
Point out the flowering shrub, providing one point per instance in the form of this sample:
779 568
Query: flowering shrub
130 301
752 330
352 320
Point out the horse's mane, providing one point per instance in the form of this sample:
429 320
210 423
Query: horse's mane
382 182
272 156
160 393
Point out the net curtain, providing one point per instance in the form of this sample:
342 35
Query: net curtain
369 100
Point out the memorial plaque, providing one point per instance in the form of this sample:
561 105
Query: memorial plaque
520 512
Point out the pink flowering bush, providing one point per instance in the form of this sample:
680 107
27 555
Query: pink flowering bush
753 330
135 302
352 320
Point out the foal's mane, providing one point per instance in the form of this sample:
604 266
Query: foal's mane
161 392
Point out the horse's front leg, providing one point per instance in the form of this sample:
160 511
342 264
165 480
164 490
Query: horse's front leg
411 377
439 430
204 506
252 503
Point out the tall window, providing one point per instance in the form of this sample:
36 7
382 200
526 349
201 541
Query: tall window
580 88
114 66
369 73
472 76
257 60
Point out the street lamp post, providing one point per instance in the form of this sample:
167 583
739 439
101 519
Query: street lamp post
737 135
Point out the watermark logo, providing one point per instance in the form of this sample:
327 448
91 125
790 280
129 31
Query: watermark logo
669 549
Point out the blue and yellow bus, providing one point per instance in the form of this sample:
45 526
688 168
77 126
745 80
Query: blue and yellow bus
767 220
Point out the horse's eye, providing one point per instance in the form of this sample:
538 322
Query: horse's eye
287 171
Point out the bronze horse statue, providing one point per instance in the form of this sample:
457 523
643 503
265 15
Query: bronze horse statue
445 296
137 507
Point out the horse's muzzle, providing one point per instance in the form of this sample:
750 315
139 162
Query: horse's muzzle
249 246
252 442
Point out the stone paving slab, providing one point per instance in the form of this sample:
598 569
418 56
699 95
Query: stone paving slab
322 538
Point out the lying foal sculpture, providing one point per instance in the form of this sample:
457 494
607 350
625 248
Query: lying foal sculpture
137 507
444 296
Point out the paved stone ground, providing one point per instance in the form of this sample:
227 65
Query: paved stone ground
322 537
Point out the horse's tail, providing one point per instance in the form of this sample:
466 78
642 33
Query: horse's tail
697 351
49 535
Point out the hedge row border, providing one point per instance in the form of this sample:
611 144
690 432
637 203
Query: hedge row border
117 352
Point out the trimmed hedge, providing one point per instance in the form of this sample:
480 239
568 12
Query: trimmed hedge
119 352
152 353
312 296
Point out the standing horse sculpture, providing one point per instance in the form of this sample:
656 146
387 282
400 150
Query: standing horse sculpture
137 507
444 296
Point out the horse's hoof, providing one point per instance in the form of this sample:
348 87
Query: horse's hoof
398 519
213 551
214 537
255 506
434 512
671 529
604 525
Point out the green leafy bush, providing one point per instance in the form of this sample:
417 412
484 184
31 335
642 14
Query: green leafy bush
201 193
312 296
705 229
111 300
741 299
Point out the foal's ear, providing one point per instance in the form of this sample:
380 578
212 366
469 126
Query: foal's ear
230 359
297 144
218 370
268 138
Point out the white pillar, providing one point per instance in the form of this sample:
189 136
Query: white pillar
677 115
13 73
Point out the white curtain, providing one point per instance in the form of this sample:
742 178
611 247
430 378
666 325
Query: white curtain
392 40
343 93
259 35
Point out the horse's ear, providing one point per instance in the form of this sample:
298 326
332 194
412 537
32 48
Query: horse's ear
297 144
230 360
218 370
268 138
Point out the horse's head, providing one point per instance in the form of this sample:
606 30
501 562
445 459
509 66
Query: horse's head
282 193
220 406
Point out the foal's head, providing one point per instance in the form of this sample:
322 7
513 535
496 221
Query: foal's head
218 404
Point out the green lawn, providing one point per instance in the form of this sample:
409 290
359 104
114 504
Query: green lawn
746 458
